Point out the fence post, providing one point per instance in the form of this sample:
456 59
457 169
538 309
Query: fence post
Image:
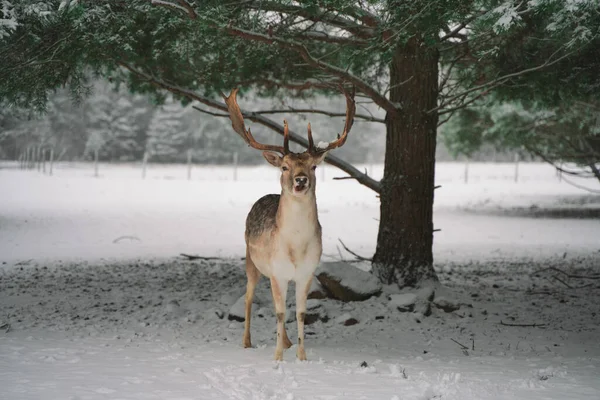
235 166
189 164
38 157
96 163
144 164
51 160
44 161
31 157
467 170
517 158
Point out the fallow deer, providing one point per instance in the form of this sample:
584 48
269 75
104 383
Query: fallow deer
283 234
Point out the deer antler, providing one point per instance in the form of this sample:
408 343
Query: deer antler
341 139
237 122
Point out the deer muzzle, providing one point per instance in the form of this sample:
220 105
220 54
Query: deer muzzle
300 183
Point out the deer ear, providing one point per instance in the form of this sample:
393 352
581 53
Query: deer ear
273 158
319 158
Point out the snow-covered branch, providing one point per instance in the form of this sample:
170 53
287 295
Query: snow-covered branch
181 5
360 84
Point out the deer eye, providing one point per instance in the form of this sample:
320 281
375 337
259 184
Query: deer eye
284 168
314 167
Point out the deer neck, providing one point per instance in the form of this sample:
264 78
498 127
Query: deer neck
297 214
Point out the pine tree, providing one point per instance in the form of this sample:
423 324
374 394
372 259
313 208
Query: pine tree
113 117
169 137
419 61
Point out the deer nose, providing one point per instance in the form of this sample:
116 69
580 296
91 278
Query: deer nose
301 180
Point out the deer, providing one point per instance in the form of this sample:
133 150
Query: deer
283 234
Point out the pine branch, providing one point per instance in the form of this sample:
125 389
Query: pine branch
361 177
180 5
322 16
360 84
323 112
454 33
323 37
301 49
501 80
296 85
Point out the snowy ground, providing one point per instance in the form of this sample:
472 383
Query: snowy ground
95 304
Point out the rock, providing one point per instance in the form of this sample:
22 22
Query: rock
230 297
174 310
237 312
316 291
403 302
263 312
426 293
423 308
446 305
345 282
346 319
173 307
314 312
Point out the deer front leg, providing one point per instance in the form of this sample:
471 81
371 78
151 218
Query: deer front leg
302 289
253 276
279 289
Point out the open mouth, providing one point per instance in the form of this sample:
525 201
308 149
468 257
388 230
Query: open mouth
300 188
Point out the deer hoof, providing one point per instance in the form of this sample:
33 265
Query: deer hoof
247 343
301 354
287 343
279 355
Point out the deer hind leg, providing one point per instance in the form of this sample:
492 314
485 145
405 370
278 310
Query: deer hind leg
253 275
279 289
302 288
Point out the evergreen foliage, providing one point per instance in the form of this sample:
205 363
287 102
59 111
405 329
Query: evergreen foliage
419 61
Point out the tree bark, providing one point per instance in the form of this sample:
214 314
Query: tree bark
404 253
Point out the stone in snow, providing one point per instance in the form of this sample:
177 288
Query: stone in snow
346 319
314 312
345 282
316 291
403 302
445 304
237 312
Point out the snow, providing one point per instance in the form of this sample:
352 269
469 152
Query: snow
508 16
89 312
8 22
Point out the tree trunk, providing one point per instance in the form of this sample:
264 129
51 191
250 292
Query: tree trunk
404 244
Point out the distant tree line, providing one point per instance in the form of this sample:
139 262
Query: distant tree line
123 126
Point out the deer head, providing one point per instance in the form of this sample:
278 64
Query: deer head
297 169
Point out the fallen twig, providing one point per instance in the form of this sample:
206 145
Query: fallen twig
460 344
574 276
562 281
117 240
353 253
536 325
191 257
